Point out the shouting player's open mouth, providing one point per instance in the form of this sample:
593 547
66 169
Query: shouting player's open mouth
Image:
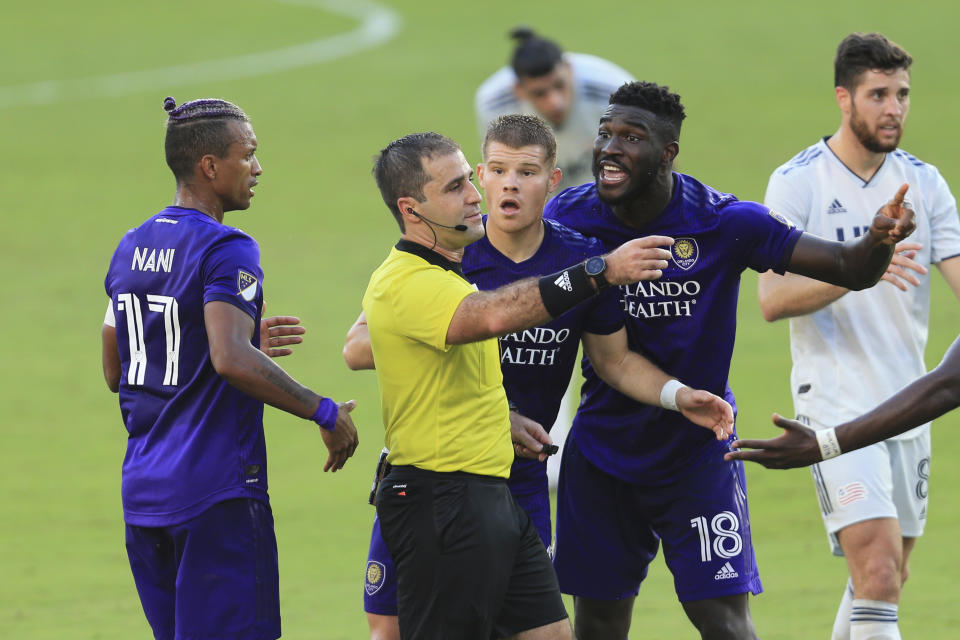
611 174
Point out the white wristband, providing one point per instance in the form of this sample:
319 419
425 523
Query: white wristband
668 394
829 446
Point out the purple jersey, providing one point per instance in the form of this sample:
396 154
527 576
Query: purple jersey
685 322
193 439
537 363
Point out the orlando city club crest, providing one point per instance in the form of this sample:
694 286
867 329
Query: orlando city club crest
685 252
374 578
246 285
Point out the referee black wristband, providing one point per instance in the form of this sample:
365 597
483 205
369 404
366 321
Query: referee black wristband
565 289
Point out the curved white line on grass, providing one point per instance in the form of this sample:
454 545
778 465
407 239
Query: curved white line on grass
378 24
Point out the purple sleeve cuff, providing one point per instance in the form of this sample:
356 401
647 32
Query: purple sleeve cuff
326 414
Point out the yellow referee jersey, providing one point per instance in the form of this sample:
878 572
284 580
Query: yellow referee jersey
444 407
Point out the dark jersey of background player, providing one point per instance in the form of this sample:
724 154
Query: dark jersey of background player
161 276
685 322
537 363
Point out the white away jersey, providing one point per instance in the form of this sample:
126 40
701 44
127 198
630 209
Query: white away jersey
859 350
594 80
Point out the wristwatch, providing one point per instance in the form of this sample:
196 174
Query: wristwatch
595 268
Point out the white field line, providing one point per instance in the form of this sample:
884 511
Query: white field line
378 25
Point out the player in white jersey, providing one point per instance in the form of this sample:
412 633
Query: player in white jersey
570 91
851 350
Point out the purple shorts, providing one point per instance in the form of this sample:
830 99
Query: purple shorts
380 579
608 530
210 578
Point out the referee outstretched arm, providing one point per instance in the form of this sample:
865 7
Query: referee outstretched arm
532 301
626 371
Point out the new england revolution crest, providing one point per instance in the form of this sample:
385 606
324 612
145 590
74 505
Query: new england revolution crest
685 252
374 578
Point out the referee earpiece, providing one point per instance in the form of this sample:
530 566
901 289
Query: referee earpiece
459 227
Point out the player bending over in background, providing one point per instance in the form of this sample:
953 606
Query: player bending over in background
568 90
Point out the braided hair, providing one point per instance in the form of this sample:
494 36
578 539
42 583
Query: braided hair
197 128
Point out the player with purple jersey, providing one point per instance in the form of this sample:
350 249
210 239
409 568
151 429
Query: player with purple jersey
517 175
182 346
634 474
537 363
164 391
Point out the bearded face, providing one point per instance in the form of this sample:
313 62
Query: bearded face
878 109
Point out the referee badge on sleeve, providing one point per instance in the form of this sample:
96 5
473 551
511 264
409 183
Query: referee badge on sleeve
246 285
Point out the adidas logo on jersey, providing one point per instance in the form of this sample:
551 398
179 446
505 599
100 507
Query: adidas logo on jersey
564 282
836 207
726 572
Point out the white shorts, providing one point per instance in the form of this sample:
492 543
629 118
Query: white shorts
889 479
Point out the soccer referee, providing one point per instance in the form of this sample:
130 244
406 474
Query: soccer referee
470 562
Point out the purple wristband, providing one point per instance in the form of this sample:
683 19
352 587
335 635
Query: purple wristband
326 414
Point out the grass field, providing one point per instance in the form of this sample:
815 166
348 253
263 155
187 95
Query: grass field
82 126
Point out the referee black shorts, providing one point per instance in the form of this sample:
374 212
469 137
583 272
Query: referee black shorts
470 563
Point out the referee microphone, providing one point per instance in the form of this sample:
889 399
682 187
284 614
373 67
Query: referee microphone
459 227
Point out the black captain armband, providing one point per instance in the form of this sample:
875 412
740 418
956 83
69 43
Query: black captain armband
566 289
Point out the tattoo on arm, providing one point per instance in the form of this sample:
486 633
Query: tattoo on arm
281 381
